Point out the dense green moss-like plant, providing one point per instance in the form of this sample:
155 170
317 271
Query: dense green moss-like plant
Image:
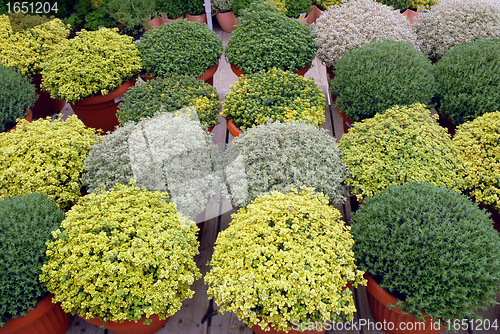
46 157
192 49
431 247
121 255
281 156
468 80
285 259
17 95
405 144
396 4
173 8
133 14
457 22
170 94
325 4
94 62
296 7
274 95
194 7
478 141
26 224
379 75
240 6
99 18
356 23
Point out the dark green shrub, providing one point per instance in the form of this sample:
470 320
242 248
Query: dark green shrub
17 95
468 80
26 223
170 94
239 5
78 12
430 247
380 75
296 7
99 17
173 8
397 4
180 47
194 7
133 14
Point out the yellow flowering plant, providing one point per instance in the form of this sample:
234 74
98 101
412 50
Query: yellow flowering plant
285 259
121 255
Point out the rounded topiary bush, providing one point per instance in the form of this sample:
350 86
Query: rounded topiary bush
26 224
430 247
379 75
468 80
180 47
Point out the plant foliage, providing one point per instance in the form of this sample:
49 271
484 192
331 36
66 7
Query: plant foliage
194 7
173 8
133 14
99 18
221 6
296 7
325 4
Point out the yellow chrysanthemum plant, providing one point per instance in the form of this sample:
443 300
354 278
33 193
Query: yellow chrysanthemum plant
286 259
122 254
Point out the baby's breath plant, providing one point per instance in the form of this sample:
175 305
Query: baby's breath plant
325 4
281 156
405 144
457 22
45 156
285 257
221 6
277 95
478 142
356 23
121 255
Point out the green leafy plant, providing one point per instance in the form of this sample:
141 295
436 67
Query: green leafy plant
405 144
170 94
468 80
430 247
17 95
26 224
45 156
94 62
478 141
121 255
397 4
221 6
173 8
276 95
325 4
99 18
133 14
285 258
296 7
20 21
379 75
194 7
192 49
281 156
240 6
267 39
78 9
428 4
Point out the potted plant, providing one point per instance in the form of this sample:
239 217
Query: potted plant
224 14
170 10
405 144
99 18
265 39
468 82
123 259
17 96
91 72
239 6
457 22
133 15
183 40
379 75
274 265
195 11
25 306
415 7
297 8
430 252
46 157
281 156
275 94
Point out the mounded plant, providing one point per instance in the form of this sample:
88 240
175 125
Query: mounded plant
325 4
397 4
121 255
240 6
457 22
99 17
274 95
17 95
285 259
281 156
478 143
132 14
296 7
173 8
46 157
379 75
94 62
265 39
170 94
430 247
356 23
221 6
468 80
194 7
26 224
405 144
192 49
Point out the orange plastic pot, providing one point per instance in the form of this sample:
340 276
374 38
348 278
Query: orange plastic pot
233 129
208 75
379 301
347 124
239 73
411 15
310 18
99 111
227 21
131 327
197 18
317 12
45 318
44 105
28 117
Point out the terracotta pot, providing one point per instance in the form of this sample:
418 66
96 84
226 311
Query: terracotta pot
164 20
347 124
156 22
233 129
227 21
411 15
28 117
131 327
239 73
45 318
99 111
379 301
194 18
44 105
317 12
258 330
495 216
208 75
310 18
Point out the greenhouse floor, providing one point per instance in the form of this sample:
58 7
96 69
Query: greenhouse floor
199 315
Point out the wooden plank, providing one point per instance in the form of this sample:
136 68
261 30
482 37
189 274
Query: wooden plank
364 311
79 326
